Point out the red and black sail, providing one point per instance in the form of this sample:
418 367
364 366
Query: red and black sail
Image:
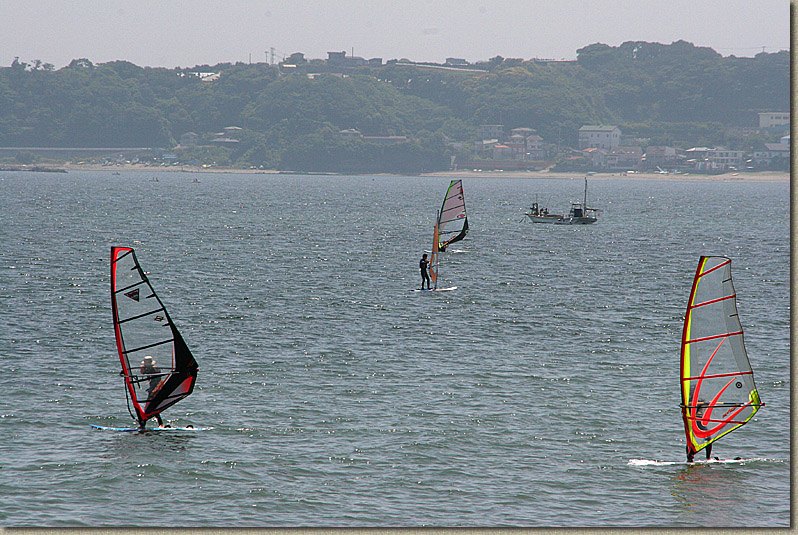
158 367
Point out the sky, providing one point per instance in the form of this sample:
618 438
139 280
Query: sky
186 33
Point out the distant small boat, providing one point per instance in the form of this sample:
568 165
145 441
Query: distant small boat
580 213
541 215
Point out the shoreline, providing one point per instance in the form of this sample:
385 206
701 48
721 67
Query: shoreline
737 176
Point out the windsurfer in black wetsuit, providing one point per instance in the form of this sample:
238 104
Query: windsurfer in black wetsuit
424 266
148 368
701 405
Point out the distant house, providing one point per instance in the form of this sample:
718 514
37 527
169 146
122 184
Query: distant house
523 131
624 158
605 137
484 148
659 156
456 62
596 158
723 158
340 59
773 119
502 152
224 138
232 131
350 132
770 154
188 139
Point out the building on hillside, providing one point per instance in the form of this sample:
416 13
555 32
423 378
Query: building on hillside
535 150
768 155
723 158
188 139
350 133
659 156
523 131
455 62
385 140
484 148
605 137
595 158
340 59
503 152
771 119
624 158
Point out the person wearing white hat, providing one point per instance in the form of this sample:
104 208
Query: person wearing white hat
148 367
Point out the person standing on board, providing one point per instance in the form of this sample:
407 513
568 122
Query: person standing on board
701 405
148 368
424 266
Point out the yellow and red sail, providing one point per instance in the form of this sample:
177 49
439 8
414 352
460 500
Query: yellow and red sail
717 384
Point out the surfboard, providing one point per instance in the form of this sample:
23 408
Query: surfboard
147 429
651 462
435 289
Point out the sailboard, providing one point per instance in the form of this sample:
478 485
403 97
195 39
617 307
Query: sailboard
451 226
142 429
157 365
717 382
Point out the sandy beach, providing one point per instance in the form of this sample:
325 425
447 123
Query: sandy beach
761 176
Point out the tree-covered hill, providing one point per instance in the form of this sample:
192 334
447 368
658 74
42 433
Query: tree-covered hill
675 94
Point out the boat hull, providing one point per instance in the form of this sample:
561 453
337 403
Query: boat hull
544 218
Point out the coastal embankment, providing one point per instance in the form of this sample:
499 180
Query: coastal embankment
746 176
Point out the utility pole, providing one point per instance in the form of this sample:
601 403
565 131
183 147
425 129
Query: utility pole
272 52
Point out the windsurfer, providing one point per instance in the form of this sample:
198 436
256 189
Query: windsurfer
148 367
424 266
700 407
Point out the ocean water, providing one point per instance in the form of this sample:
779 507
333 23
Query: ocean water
337 397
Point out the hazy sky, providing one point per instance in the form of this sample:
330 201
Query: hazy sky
185 33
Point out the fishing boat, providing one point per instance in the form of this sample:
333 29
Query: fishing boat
537 214
580 213
451 225
157 365
717 383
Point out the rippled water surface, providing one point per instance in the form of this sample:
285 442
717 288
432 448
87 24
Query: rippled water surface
337 397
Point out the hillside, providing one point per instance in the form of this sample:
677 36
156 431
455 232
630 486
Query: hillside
676 94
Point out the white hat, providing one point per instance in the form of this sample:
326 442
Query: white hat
148 361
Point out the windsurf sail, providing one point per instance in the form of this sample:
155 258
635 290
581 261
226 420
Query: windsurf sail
452 219
158 368
717 383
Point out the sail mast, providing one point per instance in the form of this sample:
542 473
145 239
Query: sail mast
435 259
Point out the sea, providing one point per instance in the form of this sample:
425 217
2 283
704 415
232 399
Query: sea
542 392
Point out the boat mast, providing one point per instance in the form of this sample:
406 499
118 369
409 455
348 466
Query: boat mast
584 206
